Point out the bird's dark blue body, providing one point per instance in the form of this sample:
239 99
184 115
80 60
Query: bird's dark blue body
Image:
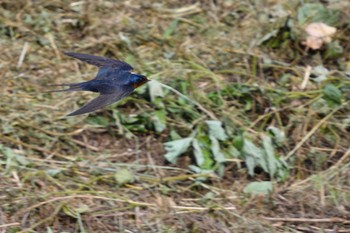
113 81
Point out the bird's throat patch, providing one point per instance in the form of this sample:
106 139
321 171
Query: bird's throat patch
136 85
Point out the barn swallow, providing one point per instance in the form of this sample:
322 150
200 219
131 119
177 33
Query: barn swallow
114 81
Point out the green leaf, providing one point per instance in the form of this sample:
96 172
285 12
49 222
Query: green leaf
251 164
176 148
215 149
198 154
278 134
174 135
317 12
124 176
254 156
216 130
232 151
205 146
259 188
272 162
332 93
238 142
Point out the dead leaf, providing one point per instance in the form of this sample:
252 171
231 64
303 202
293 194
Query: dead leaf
318 34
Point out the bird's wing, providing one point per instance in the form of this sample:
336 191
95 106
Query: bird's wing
101 61
102 101
108 73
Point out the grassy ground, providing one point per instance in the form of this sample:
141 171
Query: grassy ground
266 125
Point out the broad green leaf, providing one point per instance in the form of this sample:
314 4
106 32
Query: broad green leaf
250 148
231 152
176 148
198 154
278 134
216 130
205 146
174 135
250 162
238 142
316 12
272 162
259 188
251 151
332 93
207 154
124 176
215 149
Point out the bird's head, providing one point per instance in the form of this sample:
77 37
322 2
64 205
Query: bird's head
138 80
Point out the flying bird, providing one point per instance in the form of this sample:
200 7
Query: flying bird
114 81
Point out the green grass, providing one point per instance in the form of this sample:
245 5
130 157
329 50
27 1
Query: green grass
235 133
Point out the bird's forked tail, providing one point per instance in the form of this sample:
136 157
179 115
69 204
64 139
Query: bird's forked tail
71 87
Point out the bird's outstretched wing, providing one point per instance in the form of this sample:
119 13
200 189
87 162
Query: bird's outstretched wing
101 61
102 101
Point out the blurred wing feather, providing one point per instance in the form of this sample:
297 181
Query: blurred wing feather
101 101
101 61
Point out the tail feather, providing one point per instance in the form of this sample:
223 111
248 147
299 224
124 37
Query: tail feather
72 87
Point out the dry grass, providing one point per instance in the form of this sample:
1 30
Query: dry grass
58 173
